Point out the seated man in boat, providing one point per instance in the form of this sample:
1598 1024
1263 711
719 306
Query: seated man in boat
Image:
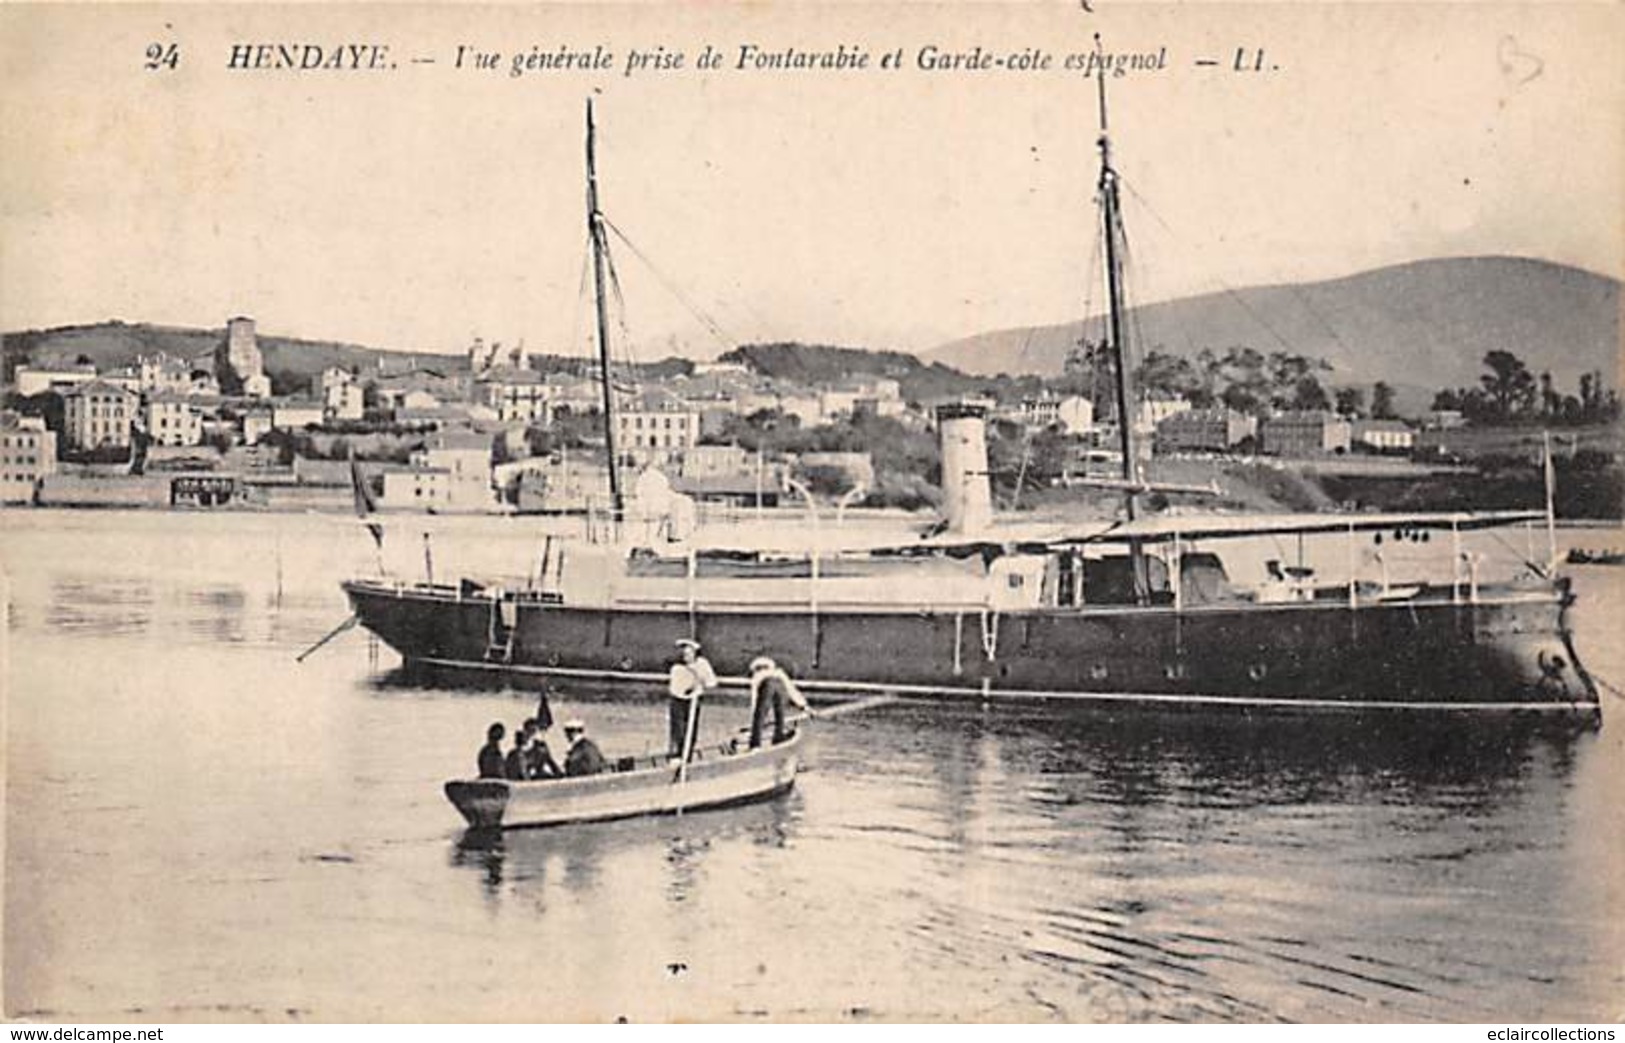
691 677
491 762
584 757
515 767
770 686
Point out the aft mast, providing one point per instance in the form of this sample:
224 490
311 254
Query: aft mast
595 233
1111 218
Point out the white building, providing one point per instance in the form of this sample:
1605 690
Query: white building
483 357
417 488
719 368
27 455
837 403
577 394
1157 407
518 396
717 461
257 423
452 472
295 415
655 428
98 415
1301 433
31 380
163 373
1073 414
345 402
808 409
333 378
1383 436
171 420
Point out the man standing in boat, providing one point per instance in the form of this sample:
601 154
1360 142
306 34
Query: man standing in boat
691 677
770 688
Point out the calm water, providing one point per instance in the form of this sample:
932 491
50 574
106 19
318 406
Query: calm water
199 828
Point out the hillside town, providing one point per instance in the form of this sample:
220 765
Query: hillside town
501 430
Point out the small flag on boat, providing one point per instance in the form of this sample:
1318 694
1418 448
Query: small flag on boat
364 505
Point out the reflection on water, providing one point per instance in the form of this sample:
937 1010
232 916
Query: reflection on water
575 851
266 840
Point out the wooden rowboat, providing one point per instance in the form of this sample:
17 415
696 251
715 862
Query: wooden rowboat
718 776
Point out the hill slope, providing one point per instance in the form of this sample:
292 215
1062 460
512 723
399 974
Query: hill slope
113 344
1427 324
816 364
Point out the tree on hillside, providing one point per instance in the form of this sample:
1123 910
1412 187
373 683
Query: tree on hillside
1307 394
1350 402
1161 371
569 430
1382 401
763 429
1472 403
1509 384
826 480
1597 404
1248 385
1089 371
47 405
1295 381
284 381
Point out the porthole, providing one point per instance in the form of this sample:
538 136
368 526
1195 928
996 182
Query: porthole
1257 671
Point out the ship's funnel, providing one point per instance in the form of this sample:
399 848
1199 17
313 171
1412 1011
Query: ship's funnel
967 498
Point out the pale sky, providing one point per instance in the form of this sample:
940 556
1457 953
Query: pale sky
419 207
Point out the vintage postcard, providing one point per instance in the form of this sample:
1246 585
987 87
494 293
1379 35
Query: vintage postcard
1084 512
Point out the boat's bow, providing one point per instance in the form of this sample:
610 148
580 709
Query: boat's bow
481 801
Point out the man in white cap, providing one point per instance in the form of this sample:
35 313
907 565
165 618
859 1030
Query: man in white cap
584 758
691 677
770 686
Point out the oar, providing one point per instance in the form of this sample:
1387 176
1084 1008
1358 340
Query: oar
839 710
688 740
856 706
330 635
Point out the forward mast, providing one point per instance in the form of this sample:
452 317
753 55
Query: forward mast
595 233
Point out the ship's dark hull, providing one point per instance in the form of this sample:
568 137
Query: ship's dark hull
1511 652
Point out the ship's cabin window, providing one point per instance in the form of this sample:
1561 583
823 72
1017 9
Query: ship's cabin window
1109 580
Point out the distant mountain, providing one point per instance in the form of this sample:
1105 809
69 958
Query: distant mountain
1421 326
113 344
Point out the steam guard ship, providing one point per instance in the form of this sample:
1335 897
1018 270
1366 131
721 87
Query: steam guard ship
1150 610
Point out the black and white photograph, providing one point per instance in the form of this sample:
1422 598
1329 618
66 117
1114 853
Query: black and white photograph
1083 512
